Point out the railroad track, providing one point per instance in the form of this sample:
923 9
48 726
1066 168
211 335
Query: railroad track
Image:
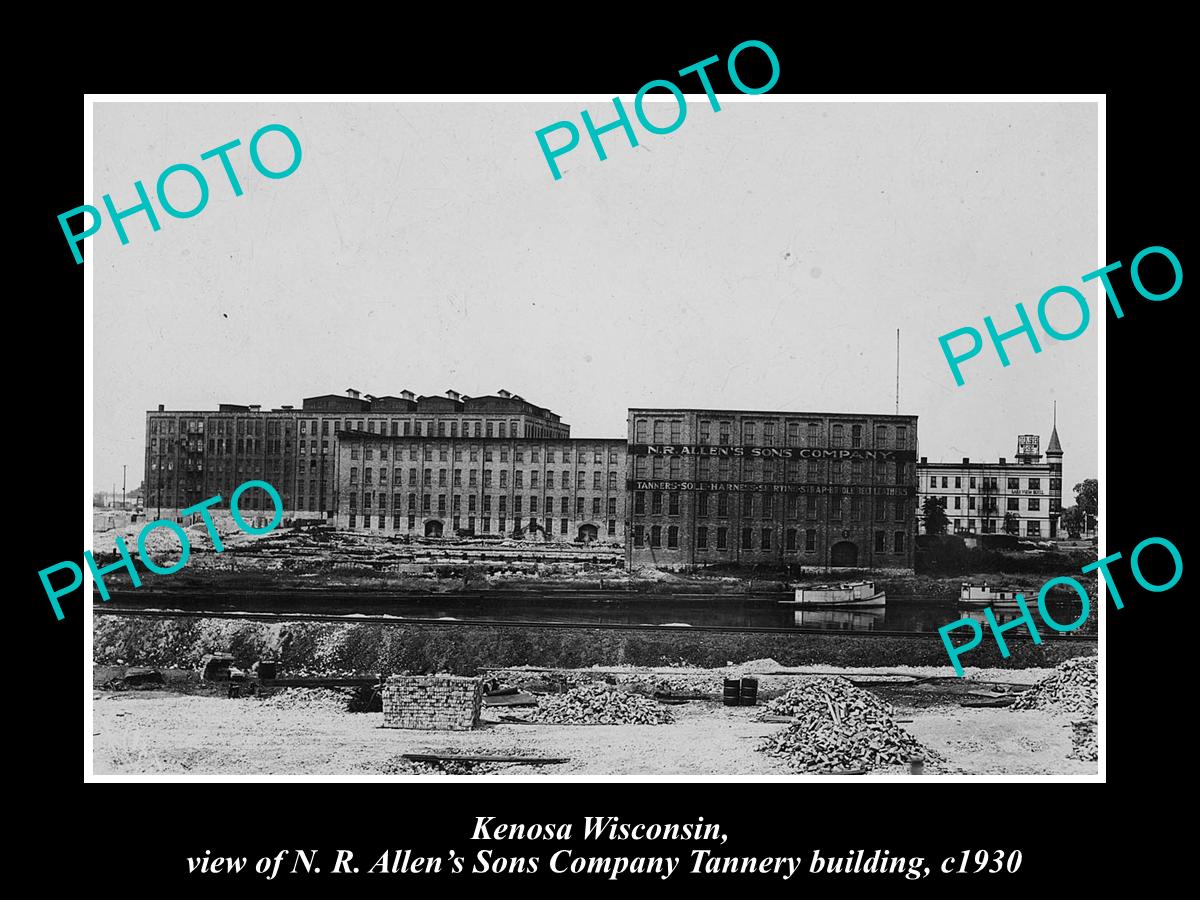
508 623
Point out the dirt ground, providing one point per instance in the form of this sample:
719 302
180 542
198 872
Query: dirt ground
166 731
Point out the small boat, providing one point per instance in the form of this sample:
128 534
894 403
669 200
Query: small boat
986 595
853 593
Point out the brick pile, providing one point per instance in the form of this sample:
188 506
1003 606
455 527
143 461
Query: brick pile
1083 739
432 702
1070 688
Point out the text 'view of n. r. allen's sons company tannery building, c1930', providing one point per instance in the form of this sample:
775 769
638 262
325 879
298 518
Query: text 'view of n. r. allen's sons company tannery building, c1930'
685 487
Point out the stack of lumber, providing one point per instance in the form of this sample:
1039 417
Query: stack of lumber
599 704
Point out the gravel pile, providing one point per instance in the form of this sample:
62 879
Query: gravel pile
327 699
598 704
1083 739
839 727
1071 688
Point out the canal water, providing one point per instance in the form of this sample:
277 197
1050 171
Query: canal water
761 611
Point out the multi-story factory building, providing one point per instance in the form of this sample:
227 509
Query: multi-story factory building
981 497
739 486
553 489
193 454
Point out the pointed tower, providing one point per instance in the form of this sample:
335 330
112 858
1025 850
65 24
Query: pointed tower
1054 457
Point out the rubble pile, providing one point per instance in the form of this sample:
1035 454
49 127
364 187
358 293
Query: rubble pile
599 704
315 699
1083 739
839 727
1071 688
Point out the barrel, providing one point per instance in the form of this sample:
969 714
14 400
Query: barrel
733 689
749 692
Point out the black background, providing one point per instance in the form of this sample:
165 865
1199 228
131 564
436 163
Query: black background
119 836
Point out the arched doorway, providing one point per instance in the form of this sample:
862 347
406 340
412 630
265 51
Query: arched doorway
843 553
588 533
433 528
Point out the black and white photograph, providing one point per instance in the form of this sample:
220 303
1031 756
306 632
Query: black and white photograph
519 438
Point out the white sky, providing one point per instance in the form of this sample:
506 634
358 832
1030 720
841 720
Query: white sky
758 257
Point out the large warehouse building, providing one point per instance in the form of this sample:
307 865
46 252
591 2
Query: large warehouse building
740 486
192 455
534 488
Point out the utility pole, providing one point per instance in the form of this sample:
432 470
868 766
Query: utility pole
897 371
122 485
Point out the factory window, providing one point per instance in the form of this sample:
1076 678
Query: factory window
638 536
596 480
673 537
702 504
428 478
675 467
901 439
705 431
396 517
723 433
791 540
441 504
412 502
747 539
768 434
810 506
612 526
835 506
578 506
549 455
504 478
412 521
702 538
768 506
353 473
880 510
1055 504
550 480
501 525
595 506
354 501
367 475
958 481
639 503
564 506
612 506
487 477
1056 485
580 480
426 499
814 434
382 519
471 503
533 479
1033 528
810 540
659 431
1035 484
676 432
503 454
970 503
486 524
458 477
748 436
370 430
1035 504
470 523
971 482
722 504
396 503
457 523
562 526
722 537
723 469
417 429
656 503
958 502
673 503
612 481
1014 484
900 510
880 441
793 434
655 535
881 539
856 436
535 454
487 430
856 509
766 538
413 452
1013 503
747 504
839 436
500 428
352 518
487 503
533 504
353 451
656 467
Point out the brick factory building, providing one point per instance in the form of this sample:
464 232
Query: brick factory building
735 486
567 489
192 455
979 496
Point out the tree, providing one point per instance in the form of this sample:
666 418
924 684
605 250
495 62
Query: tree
1086 495
1073 520
1012 523
934 515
